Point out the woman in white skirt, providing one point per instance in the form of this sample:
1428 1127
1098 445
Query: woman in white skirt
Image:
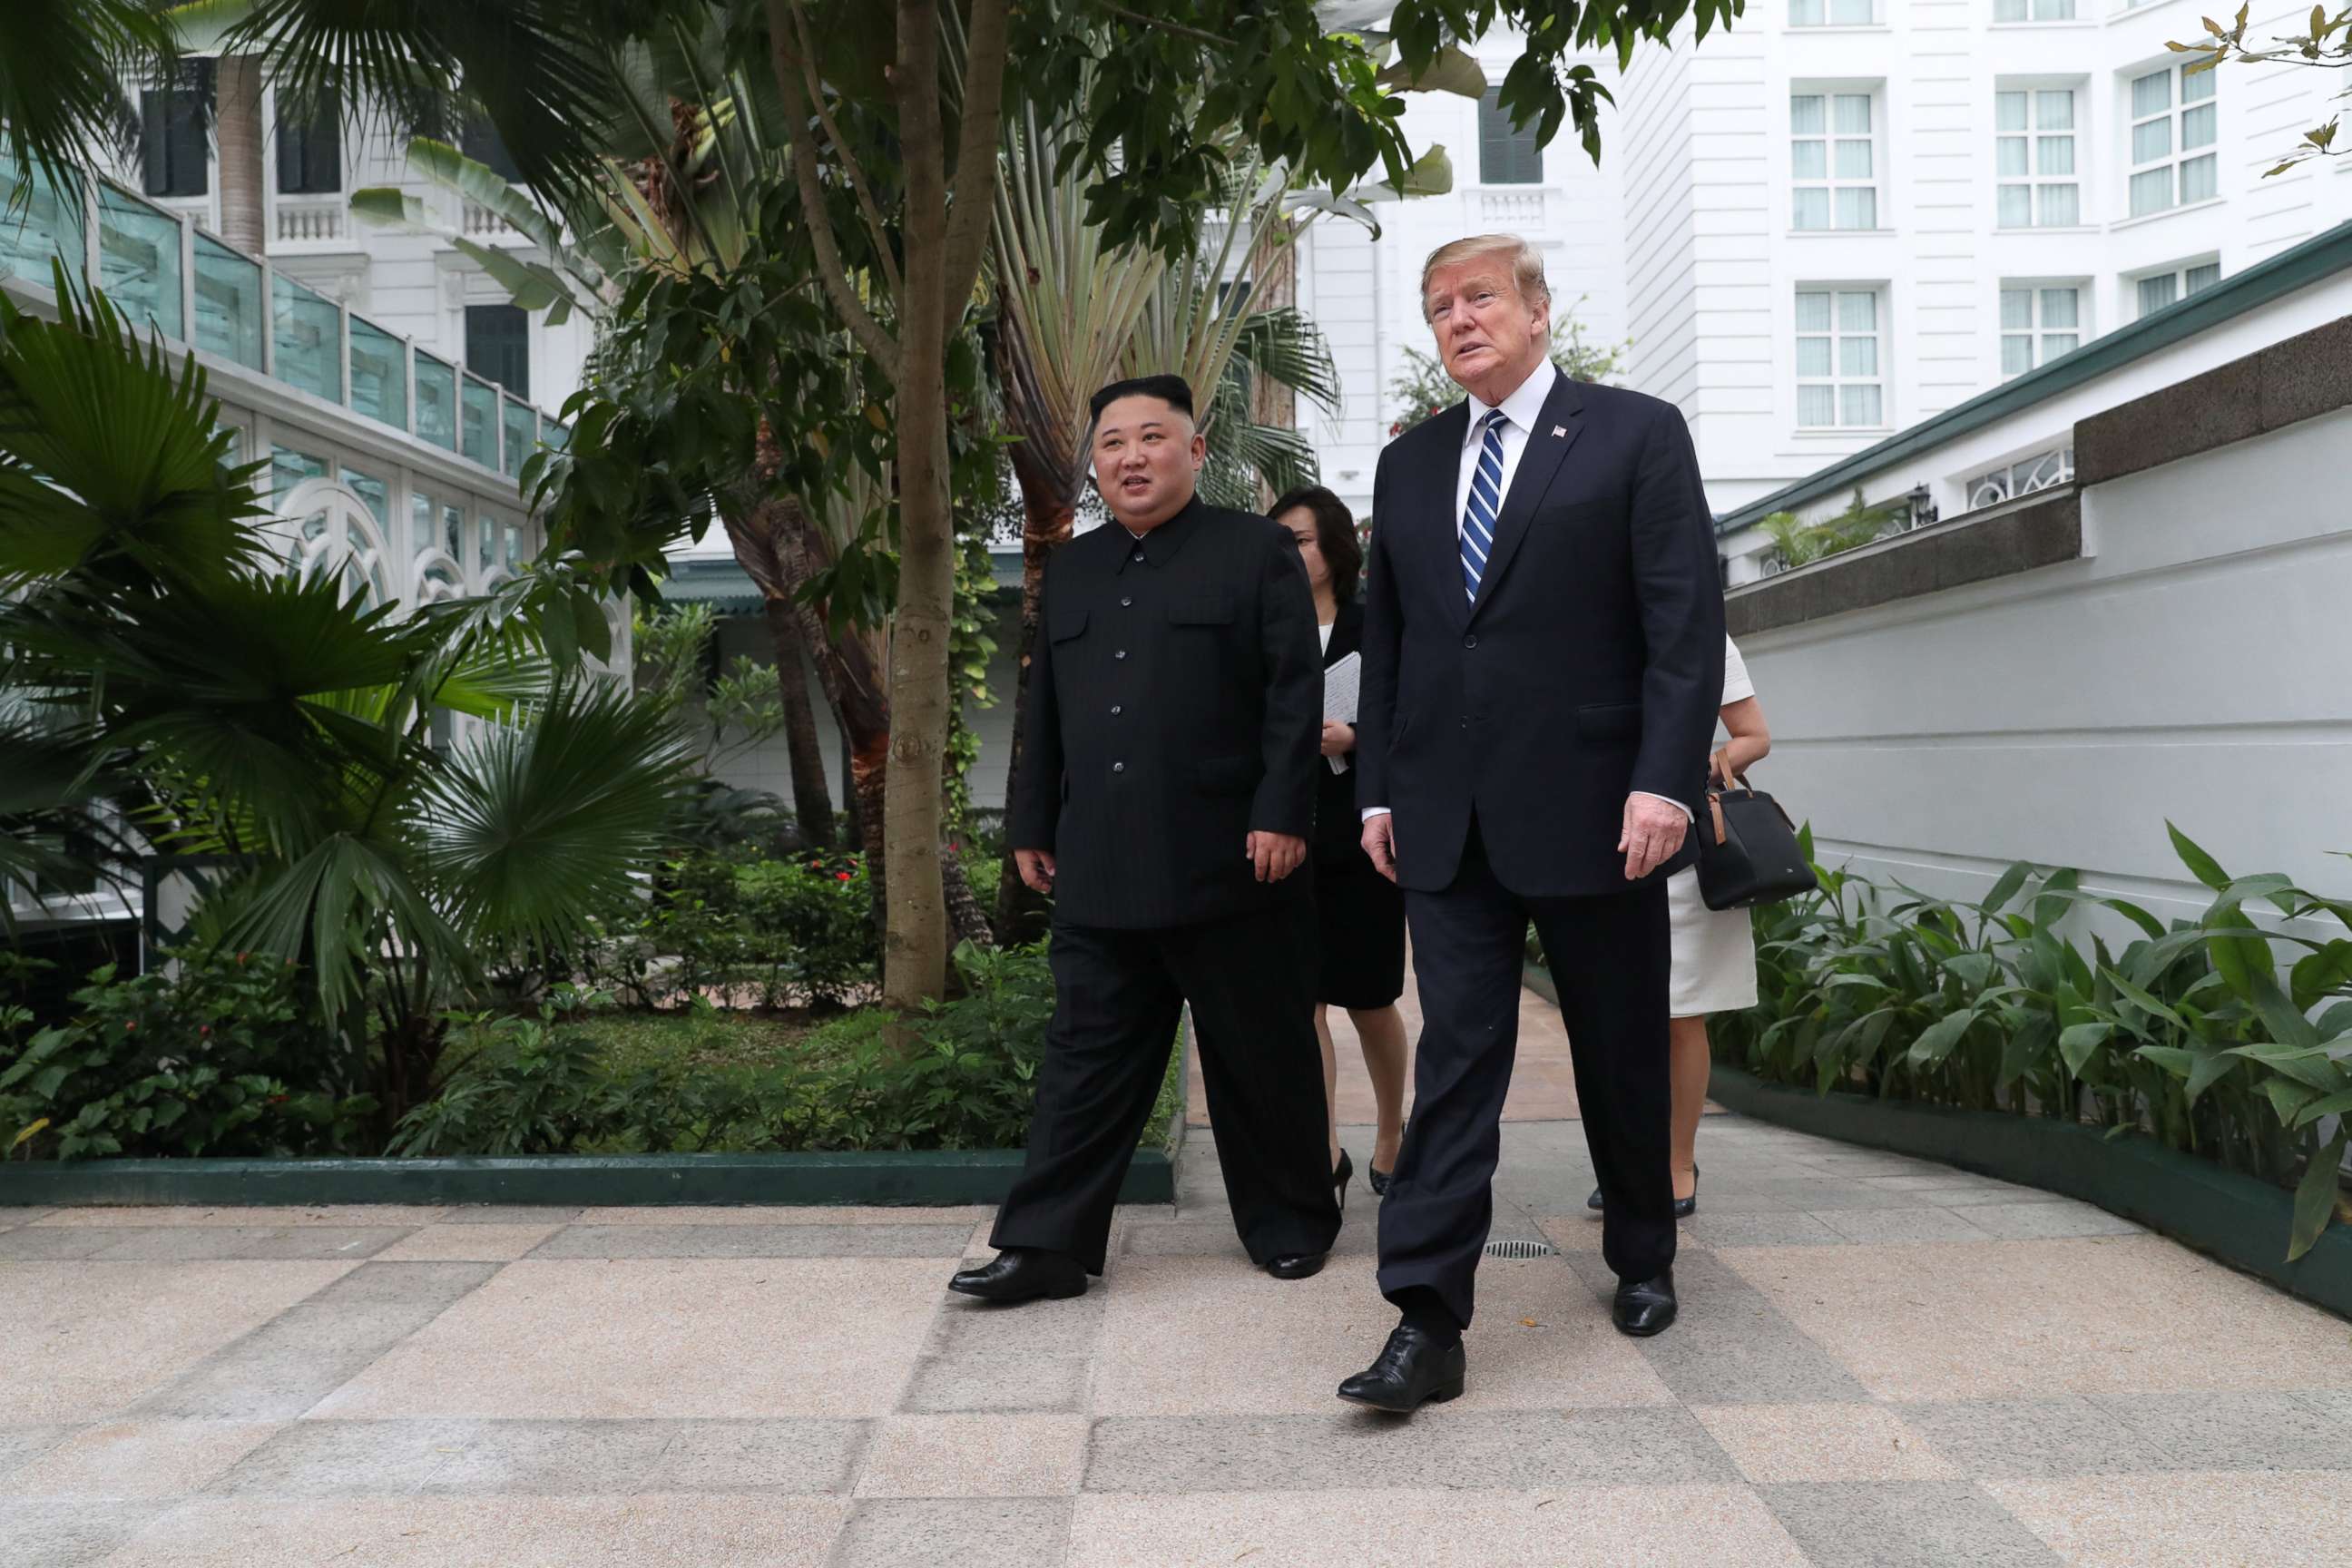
1713 949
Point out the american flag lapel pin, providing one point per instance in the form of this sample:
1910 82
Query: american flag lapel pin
1560 430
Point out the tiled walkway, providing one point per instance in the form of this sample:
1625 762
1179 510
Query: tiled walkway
1880 1363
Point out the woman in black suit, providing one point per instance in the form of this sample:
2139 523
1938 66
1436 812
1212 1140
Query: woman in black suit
1360 914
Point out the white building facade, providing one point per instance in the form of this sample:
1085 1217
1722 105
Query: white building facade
1842 217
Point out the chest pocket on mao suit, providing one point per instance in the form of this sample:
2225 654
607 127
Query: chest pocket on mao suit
1206 612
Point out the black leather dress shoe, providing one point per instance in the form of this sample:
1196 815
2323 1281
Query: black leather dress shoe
1414 1369
1023 1274
1296 1265
1644 1307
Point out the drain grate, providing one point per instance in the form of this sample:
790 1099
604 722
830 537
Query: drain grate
1521 1249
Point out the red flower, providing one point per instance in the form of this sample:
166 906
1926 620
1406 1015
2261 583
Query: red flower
841 876
129 1028
240 960
203 1029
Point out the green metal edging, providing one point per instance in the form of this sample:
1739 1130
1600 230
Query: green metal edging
2317 257
2234 1218
942 1178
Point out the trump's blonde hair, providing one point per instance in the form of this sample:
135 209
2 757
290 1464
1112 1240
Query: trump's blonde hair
1525 264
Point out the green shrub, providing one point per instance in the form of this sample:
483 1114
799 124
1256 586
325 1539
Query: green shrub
741 929
2194 1034
221 1059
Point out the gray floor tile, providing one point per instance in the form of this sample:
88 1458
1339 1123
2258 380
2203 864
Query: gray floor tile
1904 1524
567 1458
21 1444
2032 1440
996 1384
967 1329
2232 1431
53 1243
1728 1194
1991 1193
2049 1221
1350 1448
1818 1195
2336 1404
1710 1228
943 1241
510 1213
68 1534
1729 1345
10 1218
245 1243
289 1365
1880 1227
971 1532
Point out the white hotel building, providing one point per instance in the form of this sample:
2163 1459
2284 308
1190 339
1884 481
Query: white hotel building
1842 217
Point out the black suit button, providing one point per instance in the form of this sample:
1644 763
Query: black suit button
1116 710
1120 654
1137 556
1125 603
1470 641
1119 767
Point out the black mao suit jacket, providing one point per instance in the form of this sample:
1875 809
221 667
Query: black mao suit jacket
1174 707
1590 667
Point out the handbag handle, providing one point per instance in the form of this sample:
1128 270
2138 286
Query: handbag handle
1719 766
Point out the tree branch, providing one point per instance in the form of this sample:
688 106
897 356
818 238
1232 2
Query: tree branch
830 269
1178 28
973 198
855 174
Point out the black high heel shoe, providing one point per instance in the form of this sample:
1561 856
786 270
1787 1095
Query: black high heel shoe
1379 1180
1684 1207
1341 1175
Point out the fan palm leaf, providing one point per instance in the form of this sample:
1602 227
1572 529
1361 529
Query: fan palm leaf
62 65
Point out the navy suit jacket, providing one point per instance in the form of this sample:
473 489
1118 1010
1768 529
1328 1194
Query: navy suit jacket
1590 667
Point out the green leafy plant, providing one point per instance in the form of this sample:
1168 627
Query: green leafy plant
1799 543
1424 390
2199 1034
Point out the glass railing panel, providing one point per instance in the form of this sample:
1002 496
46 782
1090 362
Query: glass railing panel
478 422
309 341
379 375
230 311
47 227
138 262
437 400
522 435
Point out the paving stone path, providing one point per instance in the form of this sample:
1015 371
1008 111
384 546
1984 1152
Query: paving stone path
1879 1362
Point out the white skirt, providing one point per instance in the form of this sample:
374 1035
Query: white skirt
1714 953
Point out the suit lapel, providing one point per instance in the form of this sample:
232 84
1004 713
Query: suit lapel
1556 429
1439 477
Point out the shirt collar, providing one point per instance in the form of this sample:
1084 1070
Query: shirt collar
1159 545
1522 408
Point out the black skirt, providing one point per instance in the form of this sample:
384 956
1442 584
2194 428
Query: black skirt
1359 933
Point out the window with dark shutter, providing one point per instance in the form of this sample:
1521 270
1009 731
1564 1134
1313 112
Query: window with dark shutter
497 346
482 142
1507 156
174 151
310 150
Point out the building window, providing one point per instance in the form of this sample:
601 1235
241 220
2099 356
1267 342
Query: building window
1833 160
2035 152
2038 322
2043 470
480 141
174 150
2032 10
310 150
1507 155
497 346
1832 12
2174 118
1840 384
2158 290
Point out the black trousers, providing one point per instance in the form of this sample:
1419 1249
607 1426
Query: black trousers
1117 995
1609 956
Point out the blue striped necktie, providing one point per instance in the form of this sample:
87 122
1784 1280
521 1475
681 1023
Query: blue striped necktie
1486 504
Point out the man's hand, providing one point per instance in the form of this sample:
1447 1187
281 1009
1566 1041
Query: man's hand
1654 831
1277 854
1339 740
1037 868
1380 842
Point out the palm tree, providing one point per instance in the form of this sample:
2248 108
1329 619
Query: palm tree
153 634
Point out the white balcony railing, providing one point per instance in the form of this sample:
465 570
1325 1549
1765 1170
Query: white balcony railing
2042 471
478 221
308 220
1515 210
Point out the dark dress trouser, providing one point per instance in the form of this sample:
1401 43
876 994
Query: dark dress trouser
1117 994
1609 956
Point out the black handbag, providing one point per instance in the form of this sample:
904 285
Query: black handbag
1747 850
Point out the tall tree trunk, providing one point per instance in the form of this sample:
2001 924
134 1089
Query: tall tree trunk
1271 403
812 796
237 115
1048 515
915 948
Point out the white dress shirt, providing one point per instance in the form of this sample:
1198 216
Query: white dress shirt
1522 409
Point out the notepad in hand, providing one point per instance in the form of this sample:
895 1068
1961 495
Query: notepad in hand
1342 686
